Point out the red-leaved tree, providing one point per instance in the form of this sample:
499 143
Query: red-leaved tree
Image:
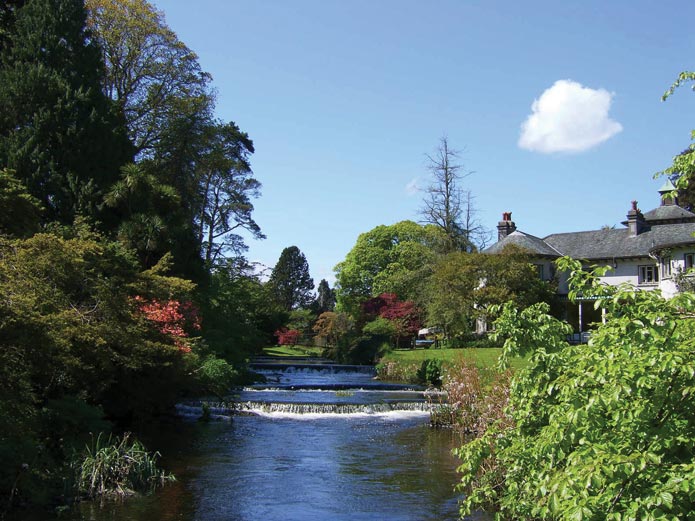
404 315
287 337
172 318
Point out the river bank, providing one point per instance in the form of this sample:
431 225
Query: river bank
302 449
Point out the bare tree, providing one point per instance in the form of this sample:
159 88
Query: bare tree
447 205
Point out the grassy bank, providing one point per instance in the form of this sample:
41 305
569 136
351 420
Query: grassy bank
292 351
403 365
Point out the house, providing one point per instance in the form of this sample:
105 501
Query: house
648 252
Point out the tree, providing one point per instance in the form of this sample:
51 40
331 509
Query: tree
598 431
331 327
143 206
682 168
325 298
290 281
403 317
226 188
75 344
239 311
58 132
463 287
21 213
149 71
448 206
387 259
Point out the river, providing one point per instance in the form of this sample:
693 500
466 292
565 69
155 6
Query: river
317 441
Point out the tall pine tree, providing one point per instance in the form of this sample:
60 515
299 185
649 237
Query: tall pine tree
290 281
58 131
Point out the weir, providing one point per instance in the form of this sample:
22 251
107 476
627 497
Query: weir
311 443
298 387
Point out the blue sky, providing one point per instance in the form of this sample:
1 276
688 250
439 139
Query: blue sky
343 99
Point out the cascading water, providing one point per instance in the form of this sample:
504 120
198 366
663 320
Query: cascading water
316 441
303 390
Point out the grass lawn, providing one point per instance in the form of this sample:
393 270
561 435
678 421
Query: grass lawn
483 356
292 351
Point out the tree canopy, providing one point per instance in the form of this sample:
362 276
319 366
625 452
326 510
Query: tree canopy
114 181
58 132
463 286
386 259
150 73
290 281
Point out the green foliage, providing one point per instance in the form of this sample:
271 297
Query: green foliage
72 341
387 259
215 376
21 212
380 327
682 167
118 467
430 372
463 287
226 186
142 204
600 431
239 313
58 132
302 320
325 298
290 281
357 349
149 72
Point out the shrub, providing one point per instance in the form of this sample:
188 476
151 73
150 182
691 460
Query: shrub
287 337
118 467
475 398
599 431
397 371
430 372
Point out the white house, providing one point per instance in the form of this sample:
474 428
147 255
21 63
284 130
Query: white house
651 249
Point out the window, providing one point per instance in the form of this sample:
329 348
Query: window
648 275
689 258
666 267
539 270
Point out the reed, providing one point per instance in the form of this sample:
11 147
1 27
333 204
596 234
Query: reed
118 467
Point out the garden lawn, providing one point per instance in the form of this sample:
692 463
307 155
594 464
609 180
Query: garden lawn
292 351
484 357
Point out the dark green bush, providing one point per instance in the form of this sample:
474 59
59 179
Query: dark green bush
430 372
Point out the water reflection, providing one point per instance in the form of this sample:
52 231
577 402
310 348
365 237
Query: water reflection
279 467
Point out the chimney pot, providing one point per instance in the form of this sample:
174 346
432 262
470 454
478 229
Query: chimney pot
505 226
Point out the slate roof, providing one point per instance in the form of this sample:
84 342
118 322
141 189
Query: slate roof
605 244
668 213
525 241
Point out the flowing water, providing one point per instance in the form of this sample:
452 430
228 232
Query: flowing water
315 442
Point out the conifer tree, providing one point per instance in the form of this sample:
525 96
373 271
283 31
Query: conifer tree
290 282
57 130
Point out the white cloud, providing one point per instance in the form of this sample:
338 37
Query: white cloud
568 117
412 187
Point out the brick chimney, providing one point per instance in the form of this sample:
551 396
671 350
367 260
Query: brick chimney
505 226
635 221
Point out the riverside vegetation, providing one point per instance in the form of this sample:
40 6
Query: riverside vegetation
123 287
597 431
